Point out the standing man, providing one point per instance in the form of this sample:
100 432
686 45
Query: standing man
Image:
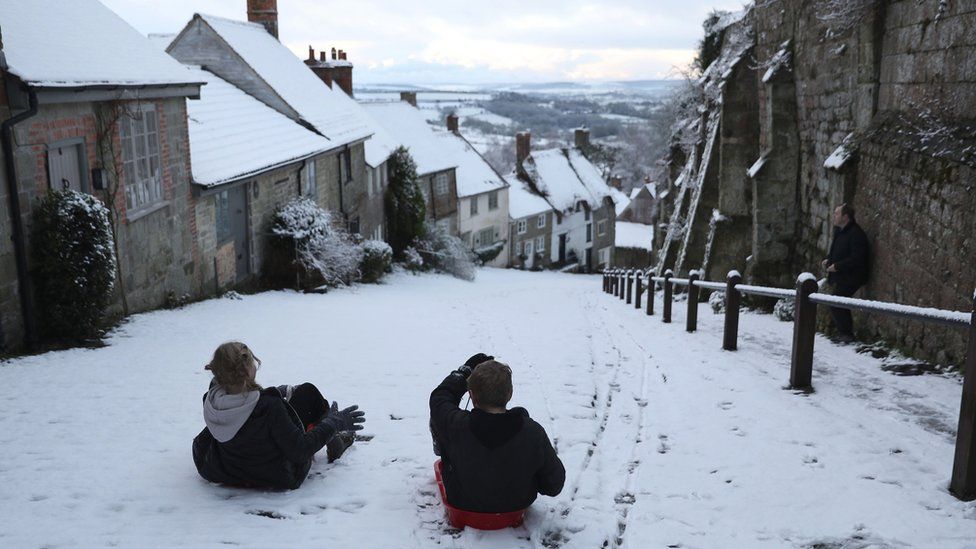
846 266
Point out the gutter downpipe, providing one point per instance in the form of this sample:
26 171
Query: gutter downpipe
17 222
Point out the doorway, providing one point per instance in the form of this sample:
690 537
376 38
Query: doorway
66 164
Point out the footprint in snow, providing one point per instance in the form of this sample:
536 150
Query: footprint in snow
726 405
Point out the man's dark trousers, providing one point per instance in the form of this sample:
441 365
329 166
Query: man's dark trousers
842 317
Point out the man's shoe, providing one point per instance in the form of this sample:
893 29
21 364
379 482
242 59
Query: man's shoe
338 445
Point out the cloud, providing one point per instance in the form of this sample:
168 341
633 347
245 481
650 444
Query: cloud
445 40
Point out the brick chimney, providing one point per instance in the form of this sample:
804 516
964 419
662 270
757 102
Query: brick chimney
582 136
264 12
523 146
311 54
616 182
342 73
409 97
319 66
453 124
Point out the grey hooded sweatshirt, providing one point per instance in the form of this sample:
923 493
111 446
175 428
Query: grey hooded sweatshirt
225 413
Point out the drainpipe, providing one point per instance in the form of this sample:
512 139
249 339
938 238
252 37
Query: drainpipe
20 247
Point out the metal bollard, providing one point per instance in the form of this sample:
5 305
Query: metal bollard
630 286
668 295
651 285
804 333
623 284
963 483
639 276
732 300
691 320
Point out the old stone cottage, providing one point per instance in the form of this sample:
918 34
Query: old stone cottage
110 121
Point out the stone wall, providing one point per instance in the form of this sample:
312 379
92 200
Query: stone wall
895 83
157 248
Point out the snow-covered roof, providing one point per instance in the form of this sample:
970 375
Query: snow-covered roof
620 200
233 135
330 111
161 40
58 44
565 177
633 235
840 156
474 174
522 202
407 127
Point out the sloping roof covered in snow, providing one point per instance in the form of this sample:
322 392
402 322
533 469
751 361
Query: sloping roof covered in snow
161 40
633 235
330 111
565 176
233 135
620 200
58 44
408 127
474 174
522 202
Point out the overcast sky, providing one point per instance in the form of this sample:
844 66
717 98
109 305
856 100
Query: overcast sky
464 41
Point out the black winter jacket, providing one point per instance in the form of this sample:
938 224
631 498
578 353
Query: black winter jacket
849 253
492 463
271 449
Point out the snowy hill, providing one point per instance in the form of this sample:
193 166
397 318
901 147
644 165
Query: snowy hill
667 441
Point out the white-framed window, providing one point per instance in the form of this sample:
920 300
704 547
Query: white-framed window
589 232
474 206
440 184
604 256
518 248
528 248
540 222
521 226
493 200
540 244
485 237
140 159
586 213
308 184
601 227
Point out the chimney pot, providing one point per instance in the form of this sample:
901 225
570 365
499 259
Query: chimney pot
334 54
311 53
322 56
409 97
453 123
523 146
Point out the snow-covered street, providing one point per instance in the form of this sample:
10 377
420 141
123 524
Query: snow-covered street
667 440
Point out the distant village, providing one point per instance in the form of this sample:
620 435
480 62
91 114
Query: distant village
197 138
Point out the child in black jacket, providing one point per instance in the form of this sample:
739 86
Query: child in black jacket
494 460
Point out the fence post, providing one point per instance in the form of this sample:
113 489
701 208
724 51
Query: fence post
604 273
630 286
619 291
732 300
691 320
666 317
623 284
963 483
651 285
804 332
613 282
639 281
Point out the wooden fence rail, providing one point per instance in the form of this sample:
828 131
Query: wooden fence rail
620 282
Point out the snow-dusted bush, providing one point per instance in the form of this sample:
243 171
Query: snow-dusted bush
317 251
784 309
73 263
405 205
717 302
486 254
446 253
412 259
377 259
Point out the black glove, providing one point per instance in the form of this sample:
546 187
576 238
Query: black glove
465 370
347 419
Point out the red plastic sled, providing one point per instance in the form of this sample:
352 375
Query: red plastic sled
459 518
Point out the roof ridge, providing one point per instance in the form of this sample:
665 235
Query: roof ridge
229 20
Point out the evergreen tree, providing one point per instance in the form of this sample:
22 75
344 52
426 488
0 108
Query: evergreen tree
405 207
